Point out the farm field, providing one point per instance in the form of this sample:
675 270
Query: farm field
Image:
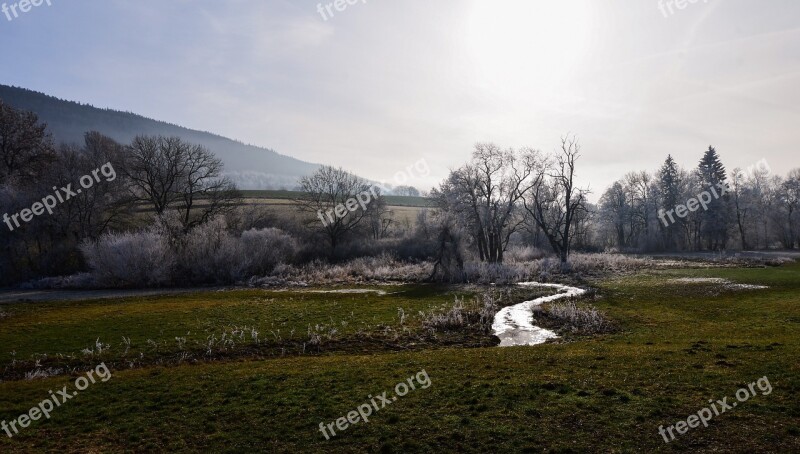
282 204
682 340
274 196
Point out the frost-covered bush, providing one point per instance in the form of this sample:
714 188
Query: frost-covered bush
383 268
207 254
212 254
479 312
516 270
574 318
517 254
141 259
588 263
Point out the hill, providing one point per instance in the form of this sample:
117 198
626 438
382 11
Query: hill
251 167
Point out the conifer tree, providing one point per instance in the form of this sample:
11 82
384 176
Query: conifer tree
669 188
716 219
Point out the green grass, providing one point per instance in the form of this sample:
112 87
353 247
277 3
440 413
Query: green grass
680 345
33 330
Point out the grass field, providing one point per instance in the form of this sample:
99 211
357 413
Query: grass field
679 346
282 203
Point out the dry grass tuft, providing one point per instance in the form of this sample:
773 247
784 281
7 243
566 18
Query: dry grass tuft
478 313
574 318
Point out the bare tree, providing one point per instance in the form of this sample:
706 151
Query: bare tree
331 201
153 167
380 217
555 201
26 149
614 212
485 194
642 194
740 196
170 173
407 191
202 190
91 213
790 198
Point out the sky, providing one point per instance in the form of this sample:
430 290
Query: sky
380 85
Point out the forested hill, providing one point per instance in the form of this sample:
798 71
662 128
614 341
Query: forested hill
250 166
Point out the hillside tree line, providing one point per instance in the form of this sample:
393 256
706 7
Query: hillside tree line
171 217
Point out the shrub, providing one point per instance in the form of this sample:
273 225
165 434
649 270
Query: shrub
142 259
574 318
478 313
518 254
211 254
602 262
207 254
366 269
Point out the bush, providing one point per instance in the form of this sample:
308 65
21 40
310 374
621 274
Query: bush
142 259
574 318
212 255
383 268
479 313
521 254
208 254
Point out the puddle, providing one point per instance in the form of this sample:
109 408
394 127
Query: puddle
513 324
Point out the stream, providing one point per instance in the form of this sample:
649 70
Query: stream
513 324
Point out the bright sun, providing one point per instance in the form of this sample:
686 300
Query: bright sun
527 44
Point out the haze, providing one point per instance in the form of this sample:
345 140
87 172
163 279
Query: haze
382 84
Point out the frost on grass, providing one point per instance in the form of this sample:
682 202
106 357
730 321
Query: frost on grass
479 312
574 318
724 283
351 291
43 373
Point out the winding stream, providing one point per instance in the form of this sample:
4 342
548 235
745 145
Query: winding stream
513 324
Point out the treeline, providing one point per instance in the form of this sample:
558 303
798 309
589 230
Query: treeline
168 215
701 209
55 198
159 212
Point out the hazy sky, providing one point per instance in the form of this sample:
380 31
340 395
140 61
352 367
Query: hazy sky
385 83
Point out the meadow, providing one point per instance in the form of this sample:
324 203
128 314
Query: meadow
319 355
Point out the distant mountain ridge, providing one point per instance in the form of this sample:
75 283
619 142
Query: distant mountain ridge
251 167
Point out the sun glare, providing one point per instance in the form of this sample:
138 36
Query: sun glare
524 45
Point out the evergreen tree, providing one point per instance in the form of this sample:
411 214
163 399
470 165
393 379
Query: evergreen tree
711 170
669 182
716 219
